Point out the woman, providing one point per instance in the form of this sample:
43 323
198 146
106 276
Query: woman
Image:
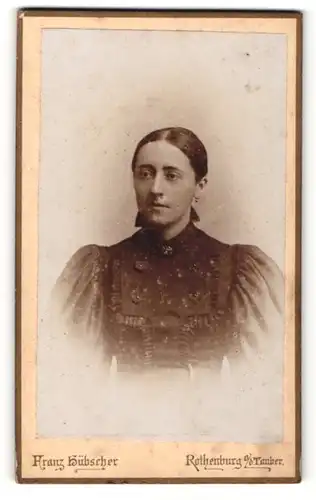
171 297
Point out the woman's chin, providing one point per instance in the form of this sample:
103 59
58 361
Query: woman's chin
156 220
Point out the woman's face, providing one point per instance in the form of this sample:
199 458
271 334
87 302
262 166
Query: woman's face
164 183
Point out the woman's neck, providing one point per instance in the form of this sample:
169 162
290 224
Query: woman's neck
171 231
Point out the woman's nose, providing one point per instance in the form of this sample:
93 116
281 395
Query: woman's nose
157 184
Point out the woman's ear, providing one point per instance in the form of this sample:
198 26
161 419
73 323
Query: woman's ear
199 187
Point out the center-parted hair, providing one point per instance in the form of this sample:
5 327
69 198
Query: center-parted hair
183 139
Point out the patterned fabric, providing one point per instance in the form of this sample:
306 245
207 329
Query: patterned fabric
190 301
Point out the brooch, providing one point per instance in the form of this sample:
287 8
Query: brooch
141 265
167 250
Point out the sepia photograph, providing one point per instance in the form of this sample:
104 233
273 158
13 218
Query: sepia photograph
159 178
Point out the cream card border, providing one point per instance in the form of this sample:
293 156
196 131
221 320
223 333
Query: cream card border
146 460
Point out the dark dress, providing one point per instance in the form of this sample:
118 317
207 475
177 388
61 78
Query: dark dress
188 302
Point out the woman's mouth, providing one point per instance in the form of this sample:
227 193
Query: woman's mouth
159 205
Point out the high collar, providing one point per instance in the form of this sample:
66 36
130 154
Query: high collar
154 242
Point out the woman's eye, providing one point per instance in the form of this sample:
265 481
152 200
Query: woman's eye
171 176
145 174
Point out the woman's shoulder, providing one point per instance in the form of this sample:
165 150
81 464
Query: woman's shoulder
89 251
86 257
257 280
251 259
91 259
92 252
246 268
242 255
207 249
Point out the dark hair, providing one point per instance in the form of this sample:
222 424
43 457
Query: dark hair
185 140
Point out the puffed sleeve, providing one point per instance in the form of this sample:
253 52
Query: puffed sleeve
256 302
73 358
255 350
78 297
